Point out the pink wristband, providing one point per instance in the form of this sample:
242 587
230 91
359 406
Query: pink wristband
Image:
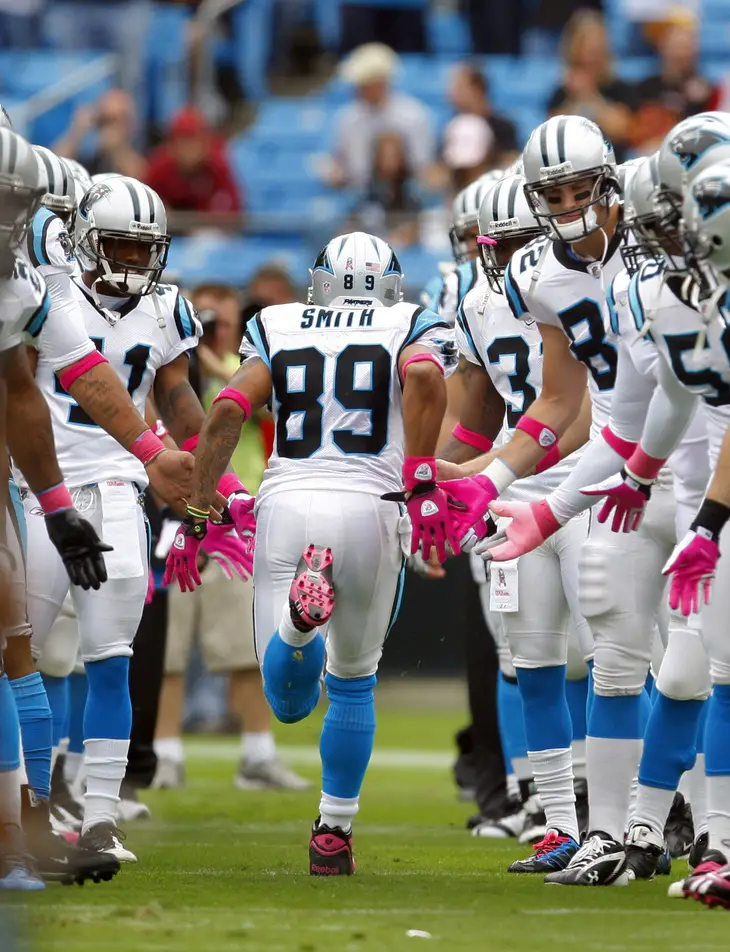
416 357
623 447
230 393
69 375
190 443
549 459
54 499
229 484
146 447
160 429
642 466
418 469
543 435
479 442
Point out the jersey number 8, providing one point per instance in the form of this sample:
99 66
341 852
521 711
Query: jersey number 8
306 401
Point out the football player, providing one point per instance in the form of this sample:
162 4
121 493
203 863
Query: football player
143 330
356 378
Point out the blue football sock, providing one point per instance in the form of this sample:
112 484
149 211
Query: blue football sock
291 677
58 699
717 732
650 686
646 708
108 713
701 727
36 731
591 695
577 694
618 718
9 728
547 718
511 721
669 741
347 735
77 692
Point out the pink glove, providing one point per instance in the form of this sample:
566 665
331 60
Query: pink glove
224 546
430 516
182 559
532 523
626 497
150 588
240 508
469 500
692 564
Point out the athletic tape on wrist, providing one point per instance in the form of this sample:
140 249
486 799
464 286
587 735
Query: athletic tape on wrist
624 448
542 434
146 447
549 459
415 358
470 438
55 498
499 474
190 443
230 393
69 375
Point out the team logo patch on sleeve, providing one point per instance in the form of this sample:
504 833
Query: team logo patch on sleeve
64 239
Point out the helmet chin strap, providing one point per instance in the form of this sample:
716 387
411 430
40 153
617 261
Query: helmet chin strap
707 312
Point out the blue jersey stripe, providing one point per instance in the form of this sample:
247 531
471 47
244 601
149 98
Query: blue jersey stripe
255 333
612 313
514 297
35 324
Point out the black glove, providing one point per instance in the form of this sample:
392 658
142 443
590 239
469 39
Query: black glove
79 546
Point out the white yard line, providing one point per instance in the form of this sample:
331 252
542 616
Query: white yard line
309 756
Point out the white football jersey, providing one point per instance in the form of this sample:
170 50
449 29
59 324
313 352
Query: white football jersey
337 399
49 245
24 305
137 341
547 282
510 351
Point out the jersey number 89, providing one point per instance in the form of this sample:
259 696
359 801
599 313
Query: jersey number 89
306 400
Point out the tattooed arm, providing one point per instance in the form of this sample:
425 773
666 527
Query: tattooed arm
179 407
222 429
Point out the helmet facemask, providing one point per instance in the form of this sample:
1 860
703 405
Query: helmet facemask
18 205
119 263
463 239
586 220
497 249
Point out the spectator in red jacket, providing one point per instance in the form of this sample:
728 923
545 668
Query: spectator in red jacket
190 170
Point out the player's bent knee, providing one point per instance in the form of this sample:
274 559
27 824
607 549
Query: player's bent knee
58 657
720 671
684 674
102 652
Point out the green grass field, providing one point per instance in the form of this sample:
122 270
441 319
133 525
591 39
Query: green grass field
224 870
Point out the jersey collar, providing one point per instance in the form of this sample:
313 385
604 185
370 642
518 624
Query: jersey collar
565 255
129 304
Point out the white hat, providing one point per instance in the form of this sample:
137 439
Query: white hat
369 62
468 140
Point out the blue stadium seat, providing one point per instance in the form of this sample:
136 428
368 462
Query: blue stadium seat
715 36
632 69
234 261
448 32
253 24
419 266
166 62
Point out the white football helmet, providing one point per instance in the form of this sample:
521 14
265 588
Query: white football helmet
57 180
506 223
5 122
562 151
706 214
121 232
640 222
20 191
465 211
356 270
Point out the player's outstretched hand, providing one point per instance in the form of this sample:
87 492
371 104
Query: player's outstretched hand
430 516
171 476
469 501
182 559
79 546
532 523
226 547
692 570
626 498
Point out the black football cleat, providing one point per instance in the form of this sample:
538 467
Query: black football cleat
645 849
679 831
330 851
697 853
554 852
601 861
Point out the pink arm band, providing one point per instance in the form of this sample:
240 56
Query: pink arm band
412 360
623 447
69 375
643 466
146 447
230 484
479 442
230 393
549 459
54 499
190 443
543 435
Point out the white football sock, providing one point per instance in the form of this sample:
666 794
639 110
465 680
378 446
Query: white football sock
696 792
290 634
652 807
10 797
106 763
257 748
338 811
170 748
513 786
71 766
611 767
579 759
718 813
522 768
553 772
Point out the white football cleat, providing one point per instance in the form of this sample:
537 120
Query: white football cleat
104 837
